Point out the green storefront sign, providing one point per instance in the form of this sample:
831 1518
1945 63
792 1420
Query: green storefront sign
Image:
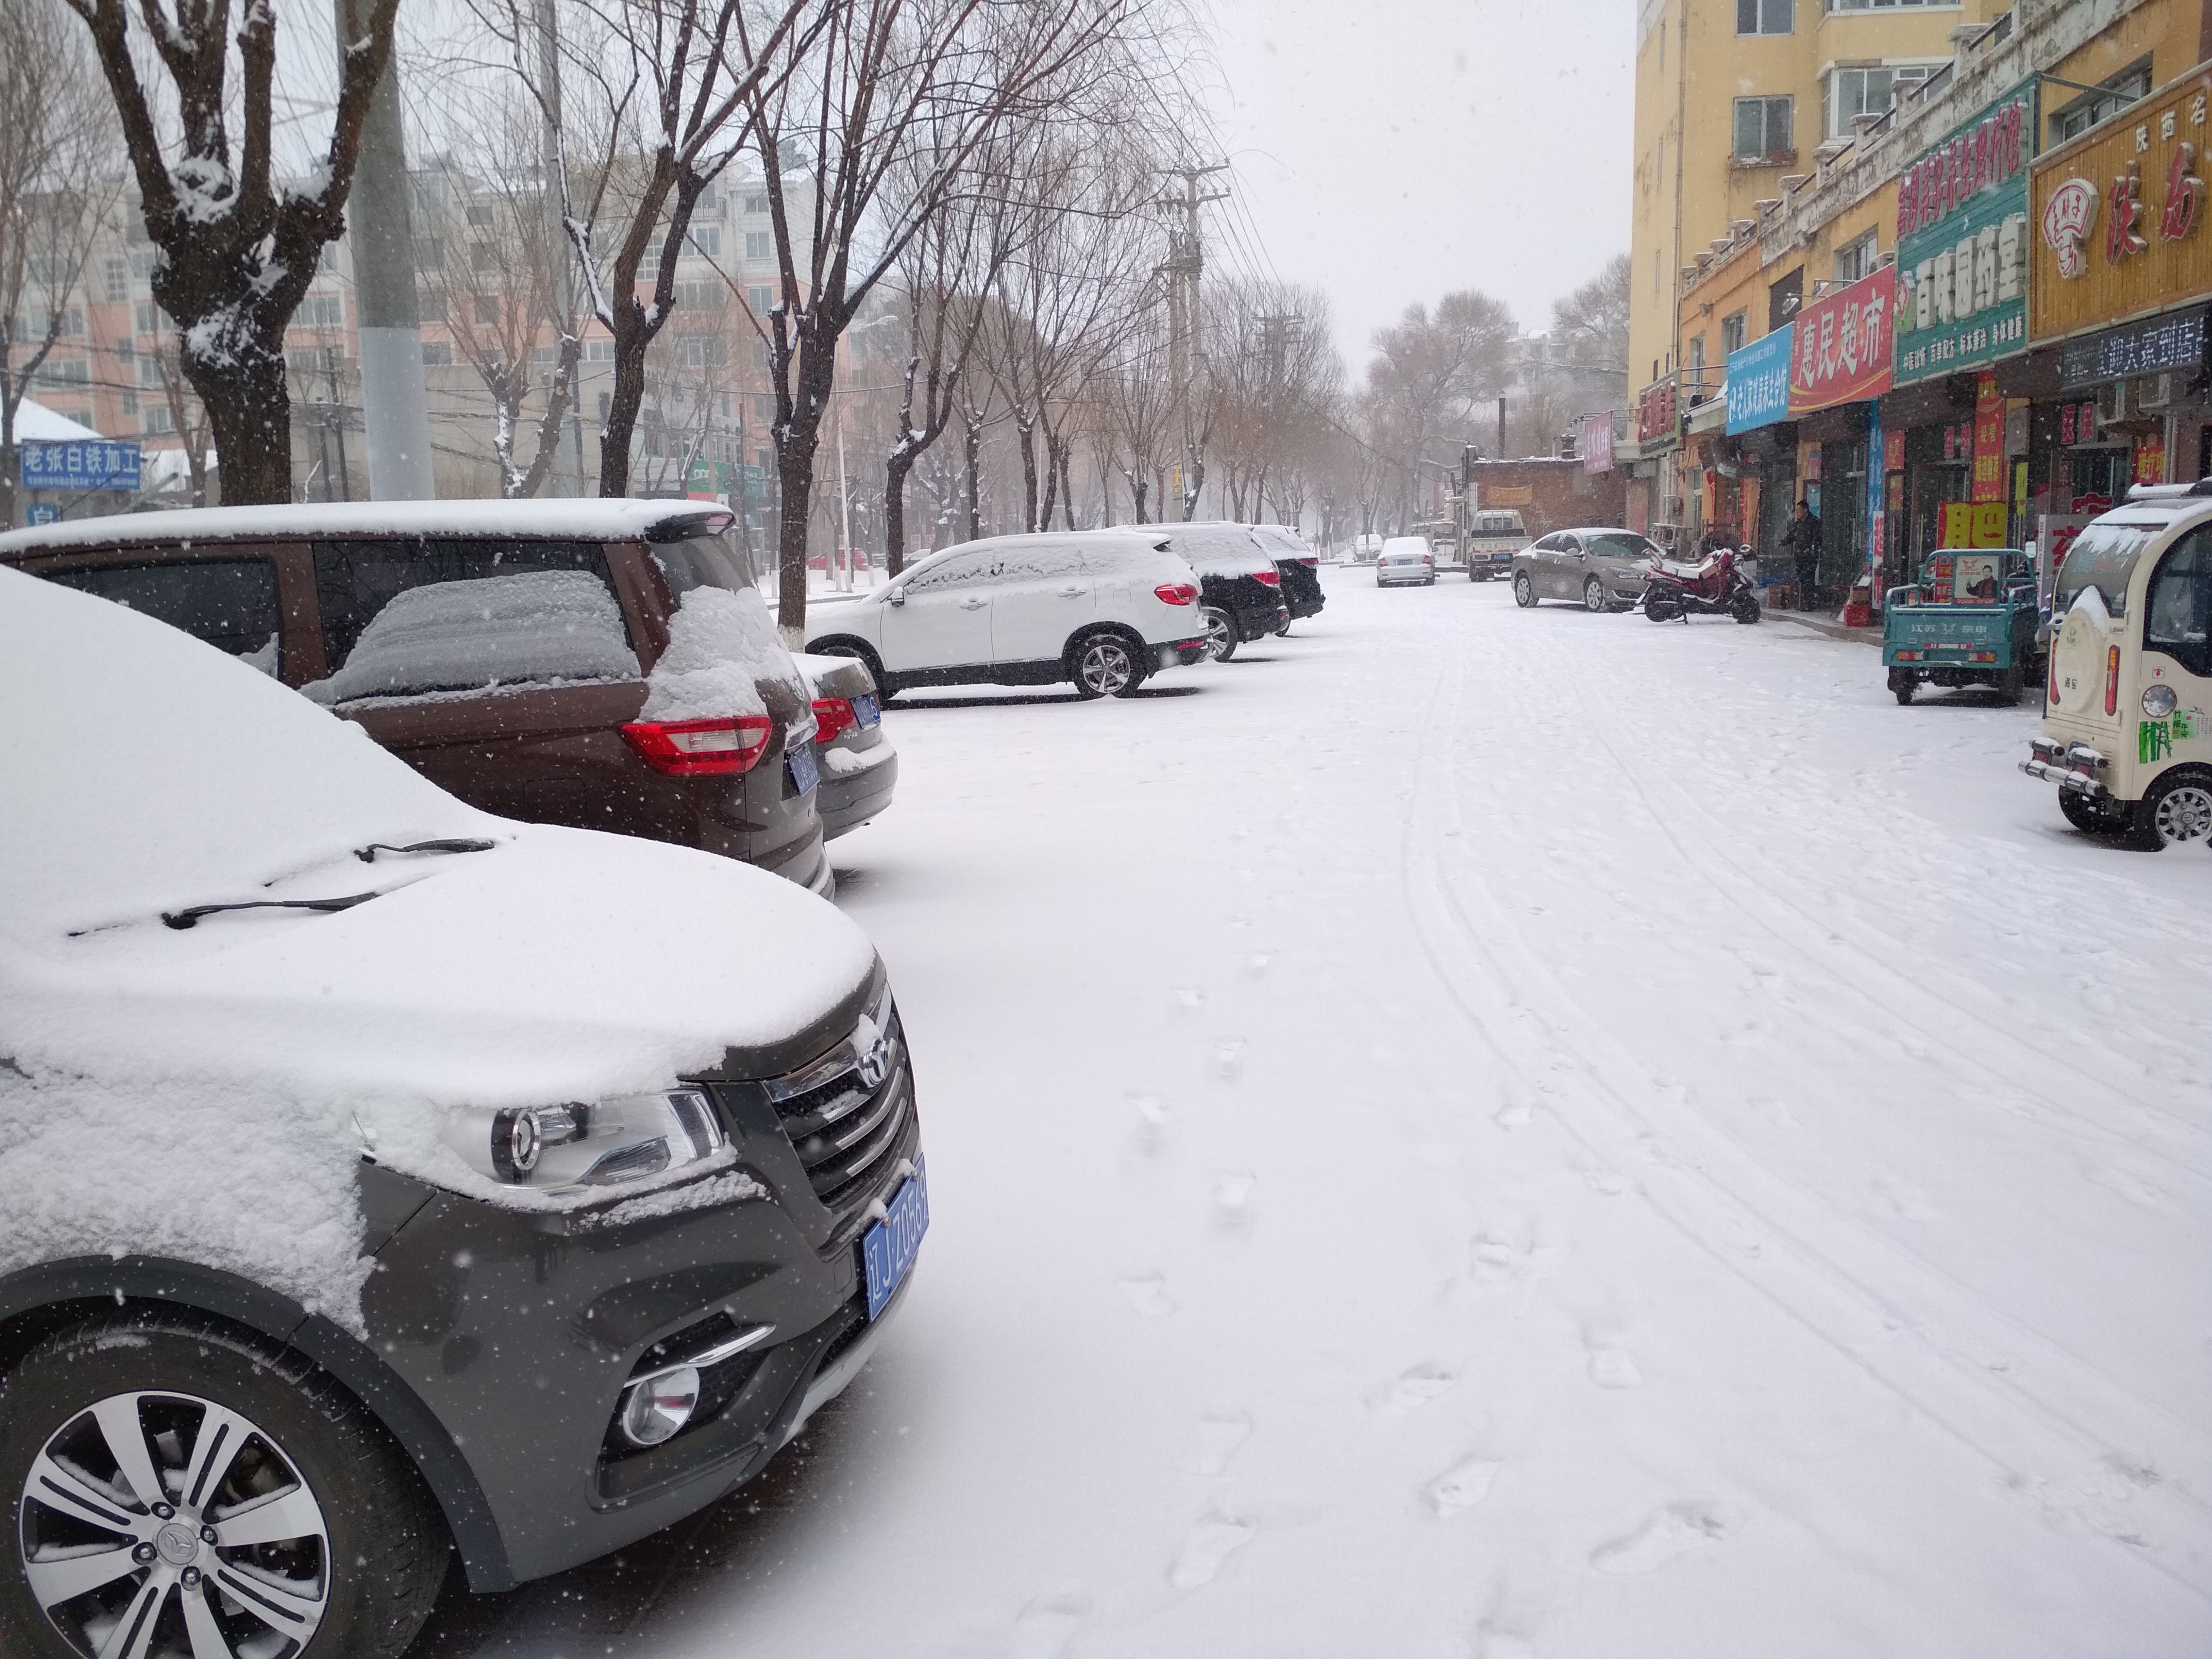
1962 244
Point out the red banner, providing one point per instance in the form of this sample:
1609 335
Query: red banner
1988 485
1842 353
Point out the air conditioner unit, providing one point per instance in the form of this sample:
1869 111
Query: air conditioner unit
2159 392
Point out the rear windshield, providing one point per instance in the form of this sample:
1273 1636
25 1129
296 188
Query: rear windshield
705 561
229 603
2103 557
1624 545
410 616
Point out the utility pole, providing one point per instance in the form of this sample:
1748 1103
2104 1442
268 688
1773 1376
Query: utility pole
394 410
1186 263
568 456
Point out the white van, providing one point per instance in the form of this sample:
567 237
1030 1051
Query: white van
1100 610
2127 720
1494 535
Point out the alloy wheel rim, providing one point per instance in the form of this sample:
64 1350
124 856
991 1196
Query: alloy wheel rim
1522 591
158 1522
1592 595
2185 814
1106 667
1217 632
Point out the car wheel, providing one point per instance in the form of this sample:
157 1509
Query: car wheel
2012 686
1283 632
181 1489
1221 640
1903 683
2178 808
1594 596
1105 666
2095 818
1524 591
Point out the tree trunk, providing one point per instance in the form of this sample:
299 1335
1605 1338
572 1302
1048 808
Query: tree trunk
974 460
1051 481
619 431
1066 488
1138 489
1022 424
800 439
241 384
896 467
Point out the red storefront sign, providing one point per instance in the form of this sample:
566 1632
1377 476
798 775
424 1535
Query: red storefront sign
1655 411
1843 345
1988 483
1597 443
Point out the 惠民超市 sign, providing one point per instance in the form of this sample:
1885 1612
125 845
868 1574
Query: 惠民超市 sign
1840 354
1757 389
1962 243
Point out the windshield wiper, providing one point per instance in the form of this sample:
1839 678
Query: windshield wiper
190 918
368 854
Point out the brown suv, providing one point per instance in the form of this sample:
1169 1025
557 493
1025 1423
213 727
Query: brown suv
606 664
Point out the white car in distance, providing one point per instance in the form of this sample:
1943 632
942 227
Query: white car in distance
1103 611
1405 562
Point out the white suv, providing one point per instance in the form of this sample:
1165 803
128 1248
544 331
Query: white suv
1102 611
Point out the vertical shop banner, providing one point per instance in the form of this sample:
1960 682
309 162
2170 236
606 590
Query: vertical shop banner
1841 353
1989 482
1597 442
1757 389
1876 499
1962 243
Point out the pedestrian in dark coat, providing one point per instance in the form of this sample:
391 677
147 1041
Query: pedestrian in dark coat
1804 539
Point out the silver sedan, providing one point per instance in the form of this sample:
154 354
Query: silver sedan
1601 569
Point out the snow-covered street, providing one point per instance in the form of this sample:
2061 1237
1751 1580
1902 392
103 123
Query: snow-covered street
1467 1131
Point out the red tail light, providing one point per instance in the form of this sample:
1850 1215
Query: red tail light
686 749
1177 593
1315 561
2051 697
833 718
2112 680
1273 579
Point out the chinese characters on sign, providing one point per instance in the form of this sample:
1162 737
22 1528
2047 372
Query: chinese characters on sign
1841 354
1962 244
1758 381
1597 443
85 463
2174 341
1654 413
1988 479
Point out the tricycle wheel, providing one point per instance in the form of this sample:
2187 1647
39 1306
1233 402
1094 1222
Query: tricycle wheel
1902 684
2011 684
1746 608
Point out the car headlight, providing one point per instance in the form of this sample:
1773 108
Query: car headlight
2159 701
574 1147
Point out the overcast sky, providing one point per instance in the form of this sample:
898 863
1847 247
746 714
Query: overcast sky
1393 150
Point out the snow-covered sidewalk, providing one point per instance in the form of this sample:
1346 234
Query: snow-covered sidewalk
1477 1132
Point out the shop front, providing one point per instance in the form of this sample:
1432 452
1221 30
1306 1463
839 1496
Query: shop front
1840 365
1763 448
2120 275
1655 505
1963 215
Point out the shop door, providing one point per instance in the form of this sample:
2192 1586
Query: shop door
1843 516
1777 504
1934 486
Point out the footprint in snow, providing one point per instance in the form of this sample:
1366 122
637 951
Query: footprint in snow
1228 1054
1232 1199
1217 1535
1189 996
1220 1434
1043 1629
1148 1294
1673 1531
1408 1392
1605 1182
1907 1200
1461 1486
1258 963
1610 1365
1516 1112
2120 1181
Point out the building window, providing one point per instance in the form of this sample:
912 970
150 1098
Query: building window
328 258
2084 111
1784 297
321 311
1851 91
433 308
1765 16
707 239
159 424
480 256
605 401
1735 328
757 204
437 355
487 310
699 296
479 215
1858 259
1762 130
702 351
430 252
760 244
130 402
118 275
598 351
761 297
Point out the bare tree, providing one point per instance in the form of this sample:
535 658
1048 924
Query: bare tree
187 418
57 188
1137 414
1425 378
886 114
237 248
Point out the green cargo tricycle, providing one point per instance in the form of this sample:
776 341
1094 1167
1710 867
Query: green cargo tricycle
1970 620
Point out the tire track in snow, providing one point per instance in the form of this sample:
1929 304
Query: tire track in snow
1995 1416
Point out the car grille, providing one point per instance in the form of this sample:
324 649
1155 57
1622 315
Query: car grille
850 1117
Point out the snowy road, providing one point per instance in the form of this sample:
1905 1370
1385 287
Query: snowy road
1469 1133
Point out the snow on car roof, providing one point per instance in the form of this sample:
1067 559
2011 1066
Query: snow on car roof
591 518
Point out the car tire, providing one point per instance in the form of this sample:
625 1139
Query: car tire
1524 591
1903 683
1283 632
886 688
369 1541
2176 809
1222 636
2012 686
1104 665
1594 597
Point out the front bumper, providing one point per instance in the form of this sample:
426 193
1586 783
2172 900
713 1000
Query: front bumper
2072 766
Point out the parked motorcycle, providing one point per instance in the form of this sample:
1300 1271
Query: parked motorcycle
1715 586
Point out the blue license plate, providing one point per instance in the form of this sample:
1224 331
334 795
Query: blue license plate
867 711
889 1247
806 770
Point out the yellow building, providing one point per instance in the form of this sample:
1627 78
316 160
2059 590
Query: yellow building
1734 101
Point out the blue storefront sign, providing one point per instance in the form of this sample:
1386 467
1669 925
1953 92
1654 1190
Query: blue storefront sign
42 512
1758 381
1962 244
85 464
